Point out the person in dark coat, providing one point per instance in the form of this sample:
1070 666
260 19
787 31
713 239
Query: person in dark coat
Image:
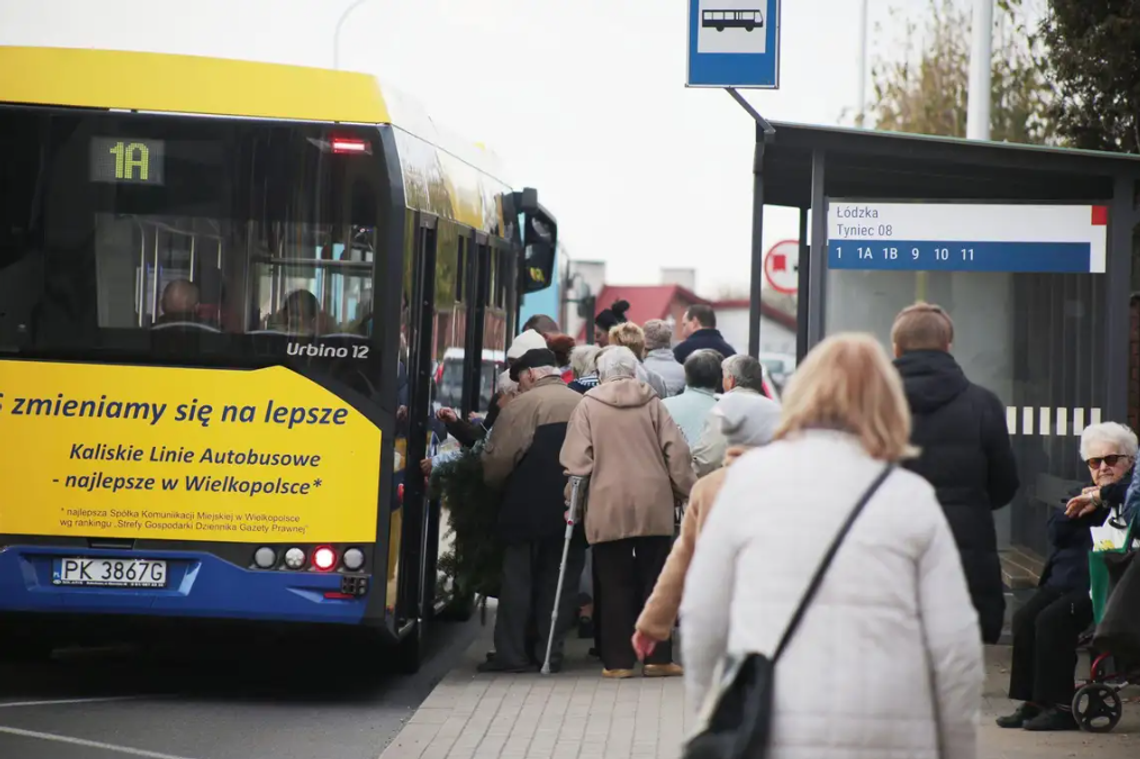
1047 628
966 454
699 328
522 459
467 432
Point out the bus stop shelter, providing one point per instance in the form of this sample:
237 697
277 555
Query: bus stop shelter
1057 345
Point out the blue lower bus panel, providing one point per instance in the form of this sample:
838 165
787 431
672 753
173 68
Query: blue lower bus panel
193 584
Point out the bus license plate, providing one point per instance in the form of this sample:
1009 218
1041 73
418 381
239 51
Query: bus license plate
119 573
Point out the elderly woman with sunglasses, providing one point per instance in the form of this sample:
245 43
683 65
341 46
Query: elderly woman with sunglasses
1047 628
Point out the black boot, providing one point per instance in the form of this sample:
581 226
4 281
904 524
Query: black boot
1023 714
1053 719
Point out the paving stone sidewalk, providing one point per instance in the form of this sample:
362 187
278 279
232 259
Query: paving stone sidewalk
576 714
995 743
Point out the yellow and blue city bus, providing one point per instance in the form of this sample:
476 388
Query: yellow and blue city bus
224 290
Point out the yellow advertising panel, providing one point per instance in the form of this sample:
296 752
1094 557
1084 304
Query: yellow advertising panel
183 454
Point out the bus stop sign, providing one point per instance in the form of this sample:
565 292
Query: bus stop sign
734 43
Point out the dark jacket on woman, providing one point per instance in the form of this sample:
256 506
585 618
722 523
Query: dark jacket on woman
1070 541
966 455
584 384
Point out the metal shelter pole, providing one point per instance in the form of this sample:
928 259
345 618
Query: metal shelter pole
818 255
802 287
755 302
764 133
769 130
1122 218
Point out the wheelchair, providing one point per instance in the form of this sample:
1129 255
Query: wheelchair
1097 705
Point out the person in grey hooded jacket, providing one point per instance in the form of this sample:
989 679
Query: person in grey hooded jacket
659 356
742 374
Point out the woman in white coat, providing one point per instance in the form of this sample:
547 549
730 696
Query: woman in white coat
887 661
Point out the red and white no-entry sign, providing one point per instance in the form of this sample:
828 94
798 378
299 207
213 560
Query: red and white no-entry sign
782 266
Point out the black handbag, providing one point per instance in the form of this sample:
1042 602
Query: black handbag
739 724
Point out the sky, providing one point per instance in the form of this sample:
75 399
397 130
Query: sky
582 99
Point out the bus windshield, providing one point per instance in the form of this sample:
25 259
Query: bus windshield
128 233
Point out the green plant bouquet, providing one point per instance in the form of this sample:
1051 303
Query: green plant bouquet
475 560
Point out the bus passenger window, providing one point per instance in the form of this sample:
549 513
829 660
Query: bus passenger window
229 227
313 285
150 271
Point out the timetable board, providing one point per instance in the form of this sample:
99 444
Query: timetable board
967 237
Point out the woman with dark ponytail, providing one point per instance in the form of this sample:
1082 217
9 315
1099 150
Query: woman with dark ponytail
607 319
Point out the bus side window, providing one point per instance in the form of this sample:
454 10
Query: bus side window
21 241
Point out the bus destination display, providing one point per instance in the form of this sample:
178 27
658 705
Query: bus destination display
967 237
124 160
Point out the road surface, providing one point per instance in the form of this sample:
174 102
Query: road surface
247 700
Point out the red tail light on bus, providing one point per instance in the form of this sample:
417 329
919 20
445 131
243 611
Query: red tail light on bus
324 558
342 145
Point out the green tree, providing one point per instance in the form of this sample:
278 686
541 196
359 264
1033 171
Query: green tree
1096 70
925 91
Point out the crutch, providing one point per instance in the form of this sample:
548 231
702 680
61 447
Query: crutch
576 487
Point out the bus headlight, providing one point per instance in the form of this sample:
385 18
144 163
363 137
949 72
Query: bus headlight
294 558
265 557
353 559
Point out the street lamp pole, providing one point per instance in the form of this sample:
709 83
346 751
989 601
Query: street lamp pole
981 61
861 103
339 24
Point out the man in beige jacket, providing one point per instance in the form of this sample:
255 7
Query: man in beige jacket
522 460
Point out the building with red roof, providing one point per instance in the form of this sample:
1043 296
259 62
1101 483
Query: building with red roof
669 302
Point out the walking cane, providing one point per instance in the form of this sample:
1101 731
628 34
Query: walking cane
571 519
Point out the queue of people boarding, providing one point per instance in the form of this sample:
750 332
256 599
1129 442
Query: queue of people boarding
709 503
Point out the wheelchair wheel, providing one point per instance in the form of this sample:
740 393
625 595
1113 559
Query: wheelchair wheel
1097 708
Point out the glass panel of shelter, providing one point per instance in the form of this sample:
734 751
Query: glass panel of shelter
1034 339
